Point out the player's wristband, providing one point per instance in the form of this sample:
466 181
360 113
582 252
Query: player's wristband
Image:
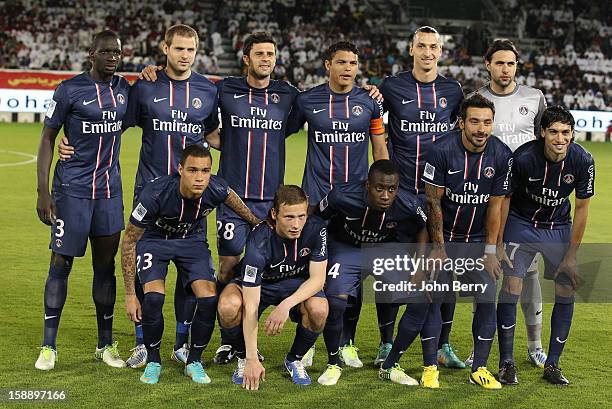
490 249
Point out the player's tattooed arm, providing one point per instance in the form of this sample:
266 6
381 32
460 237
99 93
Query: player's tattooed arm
128 265
234 202
435 218
45 207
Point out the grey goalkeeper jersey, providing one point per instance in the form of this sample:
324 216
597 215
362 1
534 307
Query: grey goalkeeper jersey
517 115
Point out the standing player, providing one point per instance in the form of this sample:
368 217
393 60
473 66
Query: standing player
517 121
545 172
168 224
362 212
174 112
284 265
423 105
86 200
467 177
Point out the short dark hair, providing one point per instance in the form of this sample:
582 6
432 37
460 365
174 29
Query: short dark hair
501 45
384 166
182 30
196 150
556 113
475 101
289 195
257 38
340 46
424 29
103 35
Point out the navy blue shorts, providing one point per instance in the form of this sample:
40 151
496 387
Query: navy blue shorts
343 269
191 256
233 230
78 219
523 242
469 275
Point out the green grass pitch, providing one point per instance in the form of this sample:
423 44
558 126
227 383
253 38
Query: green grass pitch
25 257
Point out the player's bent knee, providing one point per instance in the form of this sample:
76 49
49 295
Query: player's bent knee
60 261
226 267
157 286
104 290
204 288
229 308
564 290
316 311
513 285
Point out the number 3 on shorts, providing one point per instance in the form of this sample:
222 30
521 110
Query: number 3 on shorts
228 232
59 228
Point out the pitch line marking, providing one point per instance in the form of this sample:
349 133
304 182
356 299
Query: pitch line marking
32 159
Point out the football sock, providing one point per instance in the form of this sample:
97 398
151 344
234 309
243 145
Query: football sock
56 290
203 326
386 314
184 309
153 324
430 334
483 332
447 311
409 327
104 292
235 338
560 324
303 341
333 328
506 322
351 318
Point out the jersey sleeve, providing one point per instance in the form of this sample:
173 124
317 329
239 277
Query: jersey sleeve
377 127
454 118
328 206
145 212
319 245
435 168
255 260
384 90
503 174
212 121
132 113
536 122
297 119
217 191
59 107
585 185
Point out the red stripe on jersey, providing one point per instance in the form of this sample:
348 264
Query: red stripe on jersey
171 94
248 164
295 252
263 165
266 97
346 163
346 106
365 216
435 98
198 208
467 237
455 223
465 167
250 96
418 95
187 95
331 106
183 142
382 221
545 174
535 223
169 154
416 175
93 182
331 166
433 138
110 161
550 217
99 96
285 250
182 210
479 165
112 96
561 172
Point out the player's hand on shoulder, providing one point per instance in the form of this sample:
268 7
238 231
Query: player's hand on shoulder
64 149
132 308
374 92
45 207
253 371
276 320
149 73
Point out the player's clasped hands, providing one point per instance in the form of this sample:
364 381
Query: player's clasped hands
253 371
276 320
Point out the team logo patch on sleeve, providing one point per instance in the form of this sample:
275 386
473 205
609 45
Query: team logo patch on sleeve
139 212
323 204
429 171
121 99
250 274
51 109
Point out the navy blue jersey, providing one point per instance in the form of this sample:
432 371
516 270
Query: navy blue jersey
92 114
268 258
541 188
172 114
469 180
254 124
419 114
339 126
163 211
353 222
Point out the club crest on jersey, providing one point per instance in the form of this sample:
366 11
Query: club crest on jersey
58 243
489 172
443 102
304 252
523 110
196 103
357 110
569 178
206 212
121 99
391 225
275 98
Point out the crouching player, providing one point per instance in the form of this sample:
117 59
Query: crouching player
545 173
284 265
168 224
